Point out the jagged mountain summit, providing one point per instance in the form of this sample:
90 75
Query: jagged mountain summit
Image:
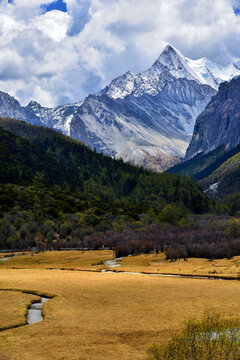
146 119
219 124
202 70
10 107
152 80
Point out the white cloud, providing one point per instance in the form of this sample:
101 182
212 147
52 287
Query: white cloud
53 24
60 57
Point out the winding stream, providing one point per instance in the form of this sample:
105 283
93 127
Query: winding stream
34 311
114 263
34 314
168 275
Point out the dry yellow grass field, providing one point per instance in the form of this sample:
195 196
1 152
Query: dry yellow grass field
105 316
94 261
73 260
193 266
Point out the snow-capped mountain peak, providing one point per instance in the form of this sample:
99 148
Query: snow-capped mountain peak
33 103
58 118
169 58
173 61
170 63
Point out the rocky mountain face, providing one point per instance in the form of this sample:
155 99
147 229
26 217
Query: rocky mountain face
144 130
146 119
219 124
10 107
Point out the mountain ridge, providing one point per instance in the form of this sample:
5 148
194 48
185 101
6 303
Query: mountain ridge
146 119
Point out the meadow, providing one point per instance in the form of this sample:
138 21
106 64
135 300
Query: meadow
146 263
63 260
99 316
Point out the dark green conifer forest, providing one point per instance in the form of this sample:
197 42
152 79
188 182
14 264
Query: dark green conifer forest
57 193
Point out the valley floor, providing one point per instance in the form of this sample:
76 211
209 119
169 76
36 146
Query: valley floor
145 263
101 316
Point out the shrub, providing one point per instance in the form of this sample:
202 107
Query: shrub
213 337
171 213
122 250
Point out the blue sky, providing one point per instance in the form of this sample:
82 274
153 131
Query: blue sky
236 10
56 5
60 51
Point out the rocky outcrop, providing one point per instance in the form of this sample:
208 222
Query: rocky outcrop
219 124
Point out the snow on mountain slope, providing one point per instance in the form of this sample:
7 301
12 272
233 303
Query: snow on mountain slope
105 124
57 118
211 73
202 70
10 107
152 81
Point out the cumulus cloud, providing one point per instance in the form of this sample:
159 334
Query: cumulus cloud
53 24
58 57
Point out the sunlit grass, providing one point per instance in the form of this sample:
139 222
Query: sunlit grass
101 316
76 260
153 263
150 263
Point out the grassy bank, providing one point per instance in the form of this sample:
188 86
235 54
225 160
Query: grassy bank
13 308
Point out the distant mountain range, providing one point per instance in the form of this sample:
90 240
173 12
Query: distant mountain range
146 119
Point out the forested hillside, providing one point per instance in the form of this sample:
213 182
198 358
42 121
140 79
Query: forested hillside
50 182
201 166
218 173
62 160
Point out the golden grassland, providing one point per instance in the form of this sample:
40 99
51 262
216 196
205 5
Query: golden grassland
73 260
150 263
104 316
193 266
